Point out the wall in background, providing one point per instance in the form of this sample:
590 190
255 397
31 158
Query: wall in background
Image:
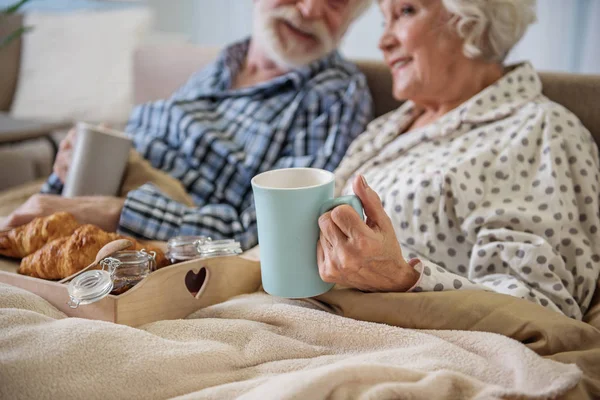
559 40
590 60
66 5
206 22
564 39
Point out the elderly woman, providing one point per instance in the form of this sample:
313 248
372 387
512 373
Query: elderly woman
481 180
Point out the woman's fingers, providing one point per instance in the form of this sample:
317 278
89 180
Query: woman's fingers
331 231
349 222
321 260
376 215
320 253
326 256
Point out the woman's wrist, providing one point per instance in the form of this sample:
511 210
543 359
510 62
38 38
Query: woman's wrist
409 275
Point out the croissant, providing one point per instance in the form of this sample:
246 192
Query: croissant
27 239
65 256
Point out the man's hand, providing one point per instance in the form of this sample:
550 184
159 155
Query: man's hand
102 211
64 157
363 255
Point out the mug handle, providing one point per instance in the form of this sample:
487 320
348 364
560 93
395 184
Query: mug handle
351 200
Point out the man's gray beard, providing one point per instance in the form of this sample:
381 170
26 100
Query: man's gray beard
291 55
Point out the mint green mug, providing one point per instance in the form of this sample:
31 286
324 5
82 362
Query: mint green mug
288 204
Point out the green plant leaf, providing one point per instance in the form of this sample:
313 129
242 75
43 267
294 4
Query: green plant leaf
14 36
15 7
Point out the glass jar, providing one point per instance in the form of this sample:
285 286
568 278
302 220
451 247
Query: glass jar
128 267
184 248
120 272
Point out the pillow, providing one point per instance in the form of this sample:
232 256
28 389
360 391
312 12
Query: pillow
9 60
78 66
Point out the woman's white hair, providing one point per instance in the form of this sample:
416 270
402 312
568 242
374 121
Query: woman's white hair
490 28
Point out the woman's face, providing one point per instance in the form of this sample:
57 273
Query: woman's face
423 53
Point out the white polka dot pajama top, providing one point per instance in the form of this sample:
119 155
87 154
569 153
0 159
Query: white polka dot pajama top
499 194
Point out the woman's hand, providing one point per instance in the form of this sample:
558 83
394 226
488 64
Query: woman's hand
366 256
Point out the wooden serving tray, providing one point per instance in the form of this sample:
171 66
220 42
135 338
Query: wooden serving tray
169 293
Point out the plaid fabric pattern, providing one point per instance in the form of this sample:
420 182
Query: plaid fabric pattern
215 139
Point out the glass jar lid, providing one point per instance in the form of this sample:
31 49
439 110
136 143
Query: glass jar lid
216 248
184 247
89 287
127 257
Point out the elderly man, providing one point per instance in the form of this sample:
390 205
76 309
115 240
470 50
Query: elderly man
283 98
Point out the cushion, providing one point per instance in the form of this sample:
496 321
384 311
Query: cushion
9 60
77 65
156 76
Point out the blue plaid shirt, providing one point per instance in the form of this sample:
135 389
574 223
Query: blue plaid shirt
214 139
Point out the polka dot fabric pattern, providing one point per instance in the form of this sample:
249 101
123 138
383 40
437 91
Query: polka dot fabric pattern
500 194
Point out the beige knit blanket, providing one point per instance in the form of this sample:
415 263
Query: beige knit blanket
260 347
